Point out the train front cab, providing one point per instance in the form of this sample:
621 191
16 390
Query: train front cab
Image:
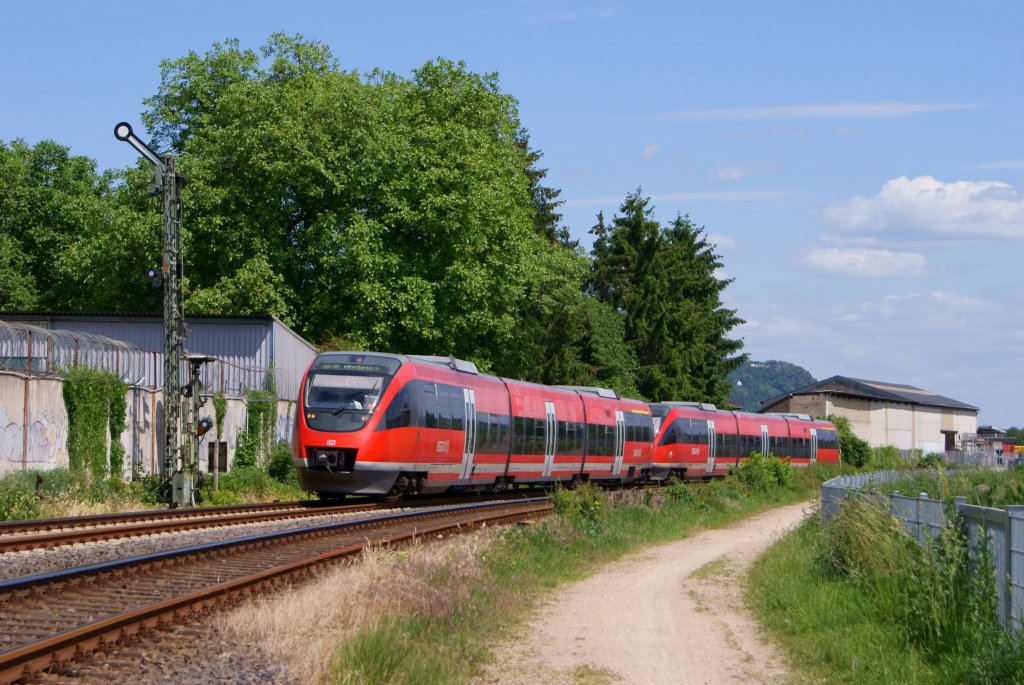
339 409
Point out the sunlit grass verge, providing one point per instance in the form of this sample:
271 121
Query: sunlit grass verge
981 486
857 601
429 617
60 493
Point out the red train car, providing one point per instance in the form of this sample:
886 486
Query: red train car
696 440
385 424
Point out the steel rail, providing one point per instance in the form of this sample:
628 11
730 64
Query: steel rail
44 533
21 662
36 525
117 531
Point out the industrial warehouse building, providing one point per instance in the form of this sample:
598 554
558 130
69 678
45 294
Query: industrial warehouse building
885 413
251 353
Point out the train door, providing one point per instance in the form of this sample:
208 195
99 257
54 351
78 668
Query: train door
711 446
620 442
550 437
764 440
814 445
469 444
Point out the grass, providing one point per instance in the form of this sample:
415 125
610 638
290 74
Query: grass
980 486
426 615
857 601
60 493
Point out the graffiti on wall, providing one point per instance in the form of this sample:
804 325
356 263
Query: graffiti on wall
47 437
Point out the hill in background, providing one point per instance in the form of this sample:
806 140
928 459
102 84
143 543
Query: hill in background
755 382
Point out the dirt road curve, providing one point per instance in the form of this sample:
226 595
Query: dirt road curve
672 614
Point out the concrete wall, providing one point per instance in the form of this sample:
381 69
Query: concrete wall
906 426
44 445
33 424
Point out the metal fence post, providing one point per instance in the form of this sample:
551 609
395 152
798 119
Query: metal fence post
1015 566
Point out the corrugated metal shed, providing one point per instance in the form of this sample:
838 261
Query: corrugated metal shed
248 345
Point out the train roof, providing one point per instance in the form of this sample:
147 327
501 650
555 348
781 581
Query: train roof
600 392
706 406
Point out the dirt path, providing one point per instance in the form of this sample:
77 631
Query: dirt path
672 614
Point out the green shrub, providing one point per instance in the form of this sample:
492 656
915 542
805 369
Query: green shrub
582 504
684 493
782 471
281 467
884 458
755 473
17 501
760 473
855 451
933 460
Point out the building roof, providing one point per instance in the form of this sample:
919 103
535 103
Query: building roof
873 390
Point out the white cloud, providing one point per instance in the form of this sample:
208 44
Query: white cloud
924 205
721 196
863 263
650 150
731 173
950 343
818 111
847 132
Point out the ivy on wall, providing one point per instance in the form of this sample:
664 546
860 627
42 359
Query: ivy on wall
256 443
96 405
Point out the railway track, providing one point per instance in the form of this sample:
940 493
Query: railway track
22 535
52 619
43 533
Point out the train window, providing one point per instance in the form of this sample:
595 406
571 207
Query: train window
669 436
539 435
504 422
428 401
519 435
457 402
694 431
444 409
482 432
399 413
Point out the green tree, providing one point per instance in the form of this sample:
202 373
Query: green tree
664 282
396 212
71 238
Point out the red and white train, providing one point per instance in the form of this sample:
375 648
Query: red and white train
387 424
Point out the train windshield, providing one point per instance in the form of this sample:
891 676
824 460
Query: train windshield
343 390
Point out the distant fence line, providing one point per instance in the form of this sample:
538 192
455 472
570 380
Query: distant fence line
44 352
924 519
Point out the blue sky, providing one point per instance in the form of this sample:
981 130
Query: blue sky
860 165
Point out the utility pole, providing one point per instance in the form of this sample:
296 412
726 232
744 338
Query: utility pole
176 473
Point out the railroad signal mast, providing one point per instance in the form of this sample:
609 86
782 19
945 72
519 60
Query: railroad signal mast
179 467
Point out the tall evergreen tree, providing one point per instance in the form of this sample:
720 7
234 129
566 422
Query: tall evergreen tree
663 281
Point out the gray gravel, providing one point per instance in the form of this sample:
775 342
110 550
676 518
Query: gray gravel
196 652
15 564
